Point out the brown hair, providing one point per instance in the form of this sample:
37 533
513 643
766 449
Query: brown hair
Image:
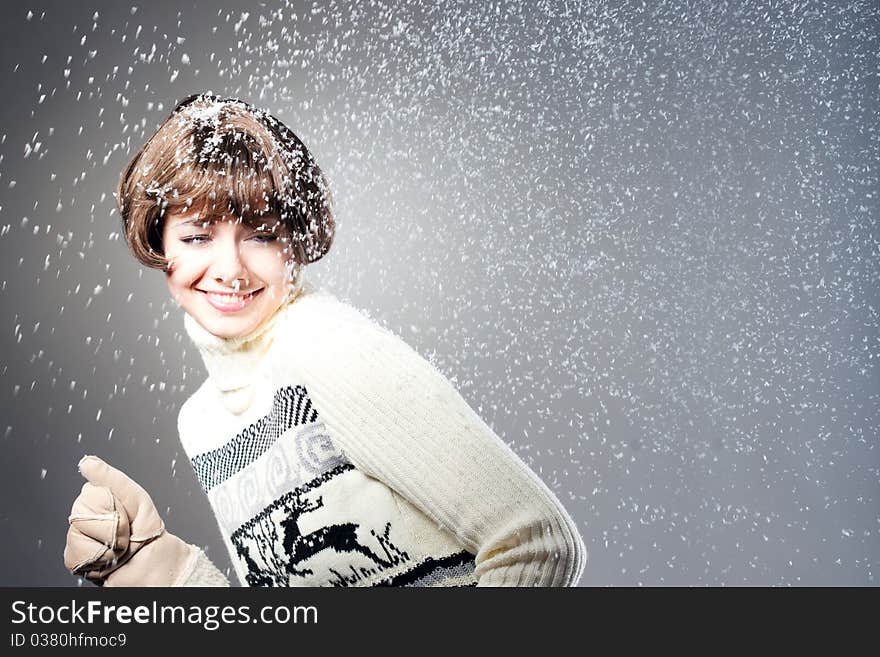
226 156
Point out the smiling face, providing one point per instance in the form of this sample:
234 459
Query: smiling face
228 275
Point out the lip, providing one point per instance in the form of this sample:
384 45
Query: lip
236 302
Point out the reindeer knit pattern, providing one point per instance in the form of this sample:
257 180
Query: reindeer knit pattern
333 454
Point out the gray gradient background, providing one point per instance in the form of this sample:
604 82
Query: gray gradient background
641 240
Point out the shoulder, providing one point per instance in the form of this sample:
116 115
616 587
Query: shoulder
327 337
321 320
322 309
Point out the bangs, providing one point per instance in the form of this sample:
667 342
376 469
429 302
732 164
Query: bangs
223 173
248 196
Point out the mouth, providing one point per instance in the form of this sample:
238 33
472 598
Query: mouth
229 301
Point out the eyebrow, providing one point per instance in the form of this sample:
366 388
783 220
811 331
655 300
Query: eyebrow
201 221
196 221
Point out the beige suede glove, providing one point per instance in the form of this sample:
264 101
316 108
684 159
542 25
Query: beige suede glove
115 536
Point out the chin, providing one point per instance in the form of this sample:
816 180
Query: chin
231 327
235 329
224 333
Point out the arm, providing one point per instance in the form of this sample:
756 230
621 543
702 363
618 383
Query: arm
401 421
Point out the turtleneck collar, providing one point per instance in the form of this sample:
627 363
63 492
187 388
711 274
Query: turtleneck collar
232 363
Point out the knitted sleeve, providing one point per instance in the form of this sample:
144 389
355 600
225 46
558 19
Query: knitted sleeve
203 573
401 421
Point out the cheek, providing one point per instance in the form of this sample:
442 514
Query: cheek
184 273
272 268
175 285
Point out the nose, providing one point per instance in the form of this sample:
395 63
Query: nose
228 268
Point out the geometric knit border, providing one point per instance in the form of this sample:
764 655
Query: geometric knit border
436 571
291 407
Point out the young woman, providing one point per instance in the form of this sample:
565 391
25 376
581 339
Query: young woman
331 452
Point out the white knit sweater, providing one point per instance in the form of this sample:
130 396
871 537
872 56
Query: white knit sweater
334 455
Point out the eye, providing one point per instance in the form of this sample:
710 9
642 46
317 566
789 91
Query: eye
265 238
194 239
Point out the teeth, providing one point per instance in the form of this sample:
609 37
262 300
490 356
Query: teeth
225 299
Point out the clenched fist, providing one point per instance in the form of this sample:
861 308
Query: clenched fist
115 536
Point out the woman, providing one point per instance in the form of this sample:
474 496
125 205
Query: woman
332 453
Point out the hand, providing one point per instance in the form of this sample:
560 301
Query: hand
115 535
